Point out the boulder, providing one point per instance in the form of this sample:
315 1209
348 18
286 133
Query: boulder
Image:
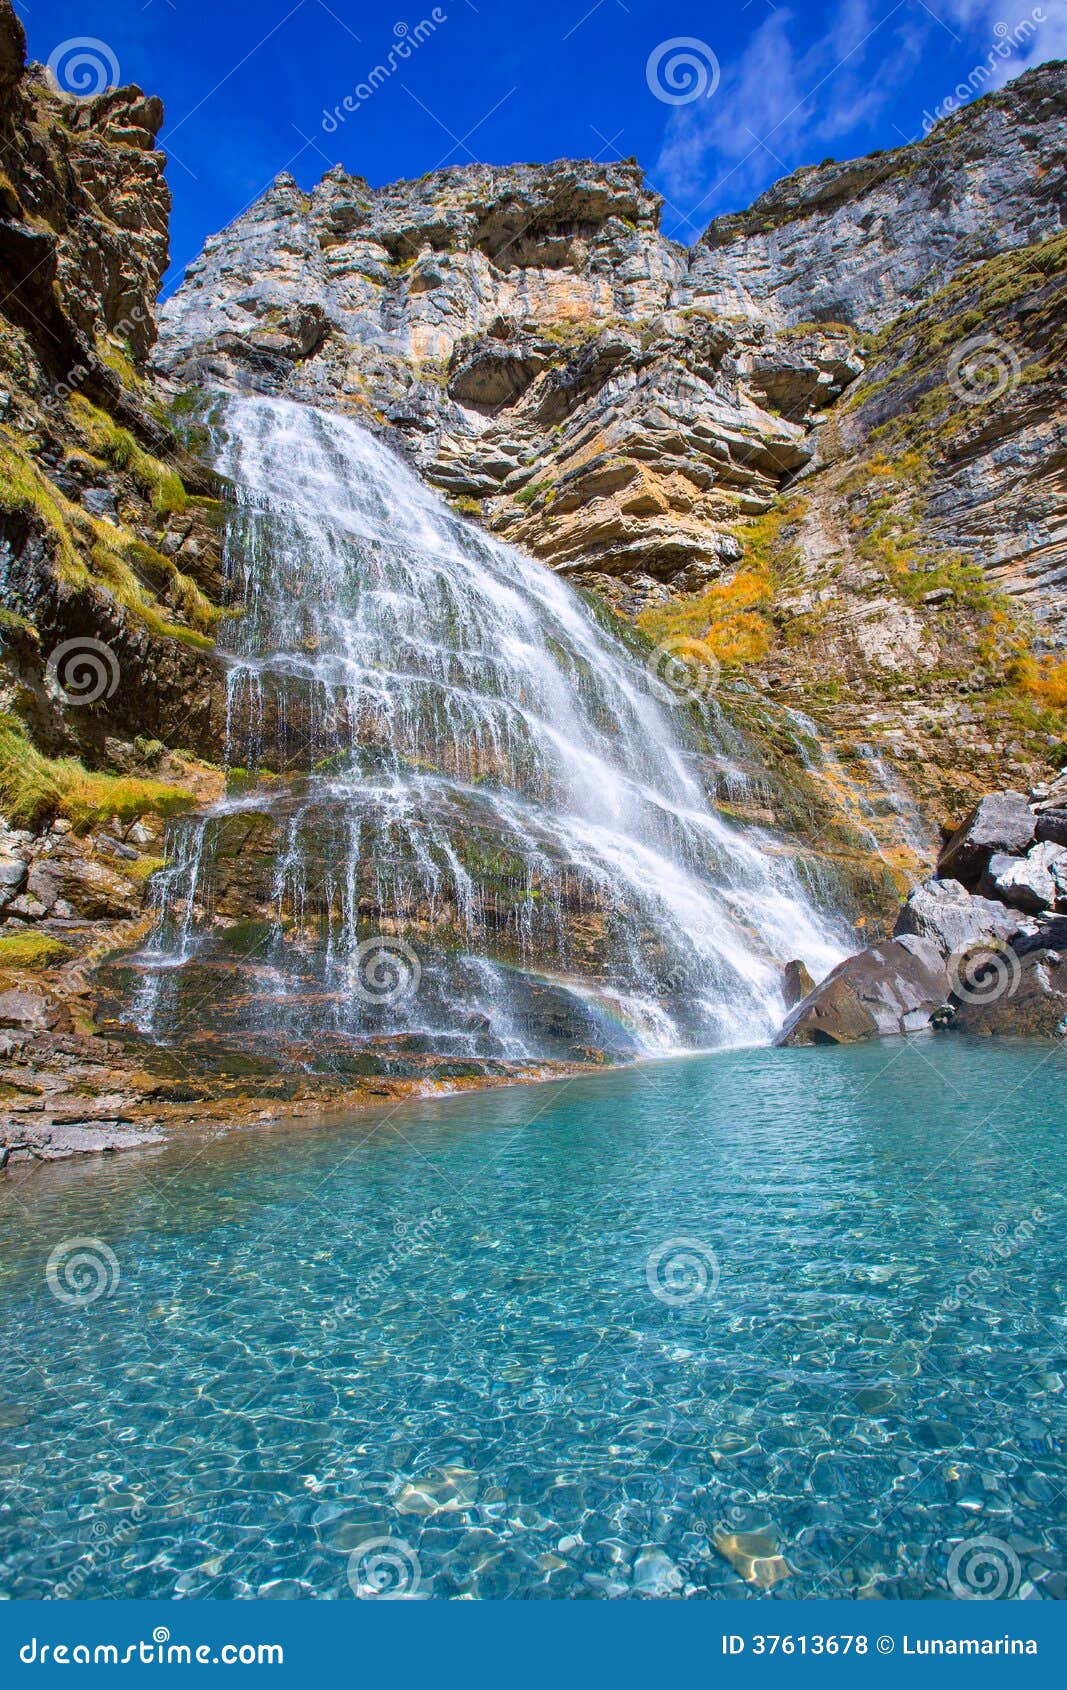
30 1012
12 877
1052 826
1026 1001
1000 822
1027 883
944 911
796 982
893 987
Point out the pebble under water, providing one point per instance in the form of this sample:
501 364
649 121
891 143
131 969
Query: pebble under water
599 1338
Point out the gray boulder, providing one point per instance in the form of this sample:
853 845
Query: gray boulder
1053 826
1000 822
893 987
945 912
12 877
1025 999
1028 883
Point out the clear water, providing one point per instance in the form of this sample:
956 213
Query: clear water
437 1327
467 762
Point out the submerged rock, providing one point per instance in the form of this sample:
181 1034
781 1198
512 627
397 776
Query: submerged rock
894 987
754 1555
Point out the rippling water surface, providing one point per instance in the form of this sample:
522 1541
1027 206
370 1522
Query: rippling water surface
470 1328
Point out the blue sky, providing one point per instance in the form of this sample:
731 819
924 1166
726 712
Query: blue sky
753 89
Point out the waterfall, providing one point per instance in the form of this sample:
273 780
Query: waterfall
462 815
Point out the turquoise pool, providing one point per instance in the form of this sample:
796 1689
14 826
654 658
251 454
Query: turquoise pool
599 1338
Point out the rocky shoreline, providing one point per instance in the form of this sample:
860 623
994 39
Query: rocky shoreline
979 948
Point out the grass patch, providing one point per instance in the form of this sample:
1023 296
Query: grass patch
728 617
32 950
143 869
118 448
34 788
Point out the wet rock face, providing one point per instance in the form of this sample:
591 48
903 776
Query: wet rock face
859 242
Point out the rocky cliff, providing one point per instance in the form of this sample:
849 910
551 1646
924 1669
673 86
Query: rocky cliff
826 442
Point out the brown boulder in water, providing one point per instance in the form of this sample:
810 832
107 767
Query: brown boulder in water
892 987
796 982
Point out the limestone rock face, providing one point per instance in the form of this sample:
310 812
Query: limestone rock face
707 427
893 987
859 242
1030 882
531 337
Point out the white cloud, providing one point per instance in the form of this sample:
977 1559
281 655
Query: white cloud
790 97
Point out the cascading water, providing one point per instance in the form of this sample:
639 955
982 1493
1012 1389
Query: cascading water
459 811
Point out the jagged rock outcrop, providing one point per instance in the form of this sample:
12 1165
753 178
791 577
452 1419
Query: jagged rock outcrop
530 335
84 209
859 242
